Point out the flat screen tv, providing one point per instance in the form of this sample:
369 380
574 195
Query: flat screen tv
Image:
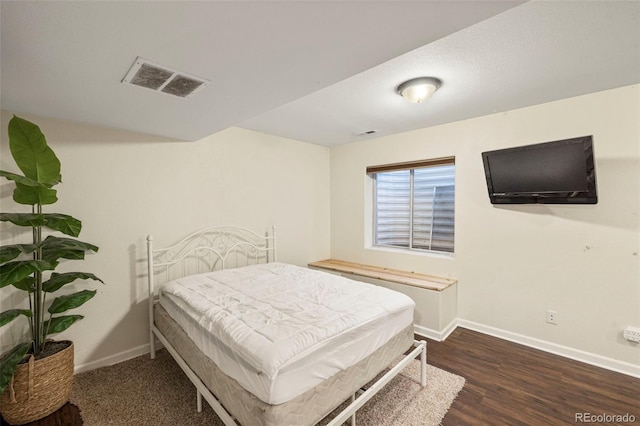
558 172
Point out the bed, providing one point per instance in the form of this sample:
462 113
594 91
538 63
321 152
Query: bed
269 343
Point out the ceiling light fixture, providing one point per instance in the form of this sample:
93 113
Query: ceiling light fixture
419 89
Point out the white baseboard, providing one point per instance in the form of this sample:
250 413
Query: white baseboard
438 336
554 348
112 359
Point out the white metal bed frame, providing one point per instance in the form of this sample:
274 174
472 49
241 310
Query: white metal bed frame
213 248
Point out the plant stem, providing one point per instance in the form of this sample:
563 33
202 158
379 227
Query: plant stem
38 313
31 317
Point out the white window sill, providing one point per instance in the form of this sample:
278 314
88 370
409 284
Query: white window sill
426 253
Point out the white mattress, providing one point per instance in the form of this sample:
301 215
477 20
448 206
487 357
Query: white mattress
278 329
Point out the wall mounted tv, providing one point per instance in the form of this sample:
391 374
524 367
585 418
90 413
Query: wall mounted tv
558 172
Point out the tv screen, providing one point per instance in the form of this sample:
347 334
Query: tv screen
558 172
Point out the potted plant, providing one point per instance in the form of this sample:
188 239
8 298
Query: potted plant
36 375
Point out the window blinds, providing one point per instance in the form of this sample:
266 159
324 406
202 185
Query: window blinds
414 205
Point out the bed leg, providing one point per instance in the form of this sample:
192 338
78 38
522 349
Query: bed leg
423 364
152 345
199 401
353 416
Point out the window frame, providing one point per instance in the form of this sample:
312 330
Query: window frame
410 166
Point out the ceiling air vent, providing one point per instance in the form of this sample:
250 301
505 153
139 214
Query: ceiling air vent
367 133
150 75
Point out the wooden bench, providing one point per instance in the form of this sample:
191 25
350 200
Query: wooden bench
429 282
435 297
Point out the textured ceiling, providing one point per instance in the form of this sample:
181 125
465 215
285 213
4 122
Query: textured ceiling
534 53
315 71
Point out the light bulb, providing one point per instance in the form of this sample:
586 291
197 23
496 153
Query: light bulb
419 89
419 92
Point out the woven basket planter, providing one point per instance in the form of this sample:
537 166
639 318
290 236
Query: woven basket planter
38 388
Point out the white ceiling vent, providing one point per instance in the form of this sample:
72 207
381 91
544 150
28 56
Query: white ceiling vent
145 73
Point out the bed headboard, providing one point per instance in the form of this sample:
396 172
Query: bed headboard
209 249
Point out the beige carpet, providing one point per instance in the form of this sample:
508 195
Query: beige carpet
142 391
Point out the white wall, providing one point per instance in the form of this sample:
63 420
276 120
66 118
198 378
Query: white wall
124 186
515 262
512 262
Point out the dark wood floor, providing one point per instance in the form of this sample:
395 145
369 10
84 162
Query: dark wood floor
511 384
68 415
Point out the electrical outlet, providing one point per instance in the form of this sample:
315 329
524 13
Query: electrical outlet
552 317
632 334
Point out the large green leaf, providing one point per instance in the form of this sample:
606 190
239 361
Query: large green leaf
23 219
27 284
9 363
64 303
54 248
13 272
56 281
60 324
21 179
34 195
7 316
56 221
31 153
64 223
8 253
29 191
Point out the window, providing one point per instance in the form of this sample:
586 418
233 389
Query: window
413 205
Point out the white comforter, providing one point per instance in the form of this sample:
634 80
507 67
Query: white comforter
280 329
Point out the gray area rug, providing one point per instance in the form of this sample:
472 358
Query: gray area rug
142 391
